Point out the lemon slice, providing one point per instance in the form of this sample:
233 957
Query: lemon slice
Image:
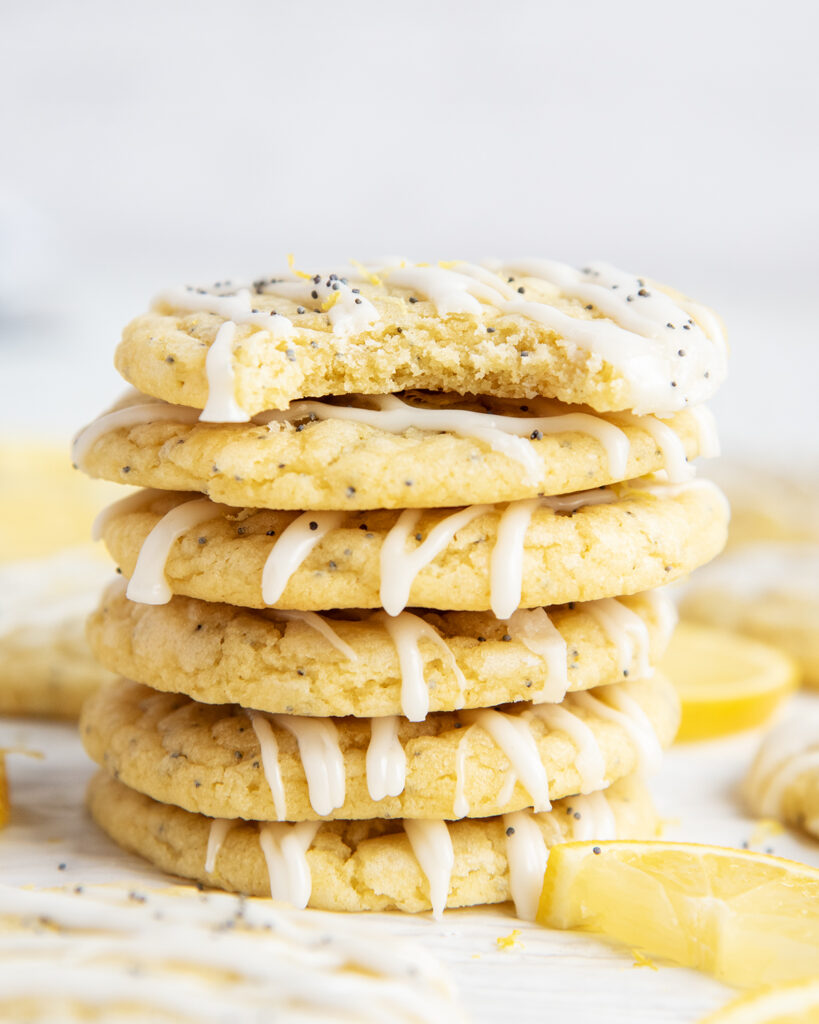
784 1004
726 682
745 917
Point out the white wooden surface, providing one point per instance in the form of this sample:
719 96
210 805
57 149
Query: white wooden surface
553 976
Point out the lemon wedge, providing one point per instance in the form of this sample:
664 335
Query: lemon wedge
797 1003
745 917
726 682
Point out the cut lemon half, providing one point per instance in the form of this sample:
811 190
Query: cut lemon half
726 682
745 917
797 1003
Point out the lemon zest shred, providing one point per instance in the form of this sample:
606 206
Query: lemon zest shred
367 274
509 941
291 262
330 301
641 960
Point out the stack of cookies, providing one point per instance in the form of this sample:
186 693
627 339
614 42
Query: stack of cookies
388 615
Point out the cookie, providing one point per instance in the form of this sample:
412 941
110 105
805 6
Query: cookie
783 782
369 865
769 591
596 336
226 761
359 454
371 665
46 667
595 544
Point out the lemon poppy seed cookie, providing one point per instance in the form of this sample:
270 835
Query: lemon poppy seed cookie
359 453
227 761
783 782
545 551
596 336
369 865
372 664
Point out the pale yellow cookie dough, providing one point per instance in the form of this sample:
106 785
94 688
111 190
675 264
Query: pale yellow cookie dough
783 781
207 758
221 654
645 538
338 464
416 343
365 865
769 591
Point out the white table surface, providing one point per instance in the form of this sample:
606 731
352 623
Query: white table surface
547 975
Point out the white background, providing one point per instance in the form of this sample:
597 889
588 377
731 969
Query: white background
156 142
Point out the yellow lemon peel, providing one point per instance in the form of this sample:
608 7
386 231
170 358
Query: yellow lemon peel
509 941
366 274
291 262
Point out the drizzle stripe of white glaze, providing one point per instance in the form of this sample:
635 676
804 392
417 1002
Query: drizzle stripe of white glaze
509 435
130 416
627 631
526 855
448 291
506 563
219 829
269 753
432 846
515 739
386 761
237 307
400 567
406 630
148 584
535 630
788 750
293 545
628 714
707 436
675 461
321 759
596 819
782 777
507 788
347 311
665 613
460 803
221 406
591 767
285 849
133 503
319 624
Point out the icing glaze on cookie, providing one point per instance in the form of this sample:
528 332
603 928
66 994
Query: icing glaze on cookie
514 737
589 759
386 760
219 829
269 754
321 759
527 856
623 710
627 631
432 846
294 544
788 751
285 849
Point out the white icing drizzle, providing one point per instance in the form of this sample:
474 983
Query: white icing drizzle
293 545
628 714
535 630
386 761
507 787
668 441
515 739
460 804
665 613
596 819
236 306
449 291
707 437
406 630
221 406
399 567
788 751
432 846
130 416
269 753
133 503
591 767
526 855
320 624
627 631
321 759
506 563
148 584
346 308
285 849
219 829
